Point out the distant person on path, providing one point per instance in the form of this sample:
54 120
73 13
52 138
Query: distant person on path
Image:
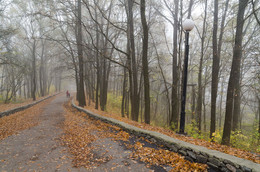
67 93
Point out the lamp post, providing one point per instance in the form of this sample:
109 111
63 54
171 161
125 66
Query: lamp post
188 25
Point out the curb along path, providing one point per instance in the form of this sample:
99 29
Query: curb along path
18 109
215 159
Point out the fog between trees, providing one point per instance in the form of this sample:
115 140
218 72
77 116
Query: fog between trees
129 54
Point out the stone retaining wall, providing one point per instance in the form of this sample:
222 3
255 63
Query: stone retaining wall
194 153
18 109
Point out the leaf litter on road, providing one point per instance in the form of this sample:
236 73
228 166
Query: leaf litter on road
79 128
22 120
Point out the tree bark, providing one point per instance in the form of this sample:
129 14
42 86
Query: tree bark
82 100
258 98
124 94
174 110
234 79
145 64
220 104
42 71
200 89
33 88
203 101
215 72
237 109
216 61
193 106
133 75
98 66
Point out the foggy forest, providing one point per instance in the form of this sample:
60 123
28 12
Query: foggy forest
126 58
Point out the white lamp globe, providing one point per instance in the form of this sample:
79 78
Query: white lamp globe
188 25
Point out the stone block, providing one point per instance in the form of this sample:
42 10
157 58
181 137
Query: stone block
176 145
189 158
153 140
212 166
182 152
239 170
246 169
204 154
192 155
231 163
173 148
215 161
224 169
202 159
231 168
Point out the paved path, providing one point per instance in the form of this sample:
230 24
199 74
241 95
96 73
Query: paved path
38 148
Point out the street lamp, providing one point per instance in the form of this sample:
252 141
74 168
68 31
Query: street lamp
187 25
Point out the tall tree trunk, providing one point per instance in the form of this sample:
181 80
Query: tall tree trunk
200 89
203 101
180 56
174 110
222 27
28 83
237 101
134 78
141 105
60 78
33 91
237 109
190 7
97 62
215 72
258 98
82 100
105 65
13 85
77 83
124 94
193 103
2 81
98 70
43 71
216 60
127 104
129 64
24 88
234 79
220 104
105 86
102 82
145 64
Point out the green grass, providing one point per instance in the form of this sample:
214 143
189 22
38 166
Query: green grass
113 103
